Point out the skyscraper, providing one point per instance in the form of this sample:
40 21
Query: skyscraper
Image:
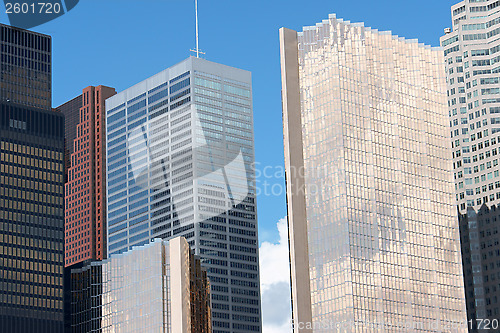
85 195
158 287
374 243
472 55
31 188
26 67
179 163
71 111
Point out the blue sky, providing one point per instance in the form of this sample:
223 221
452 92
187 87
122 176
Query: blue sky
121 42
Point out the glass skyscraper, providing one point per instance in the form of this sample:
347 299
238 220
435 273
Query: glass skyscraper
374 241
25 67
31 188
472 55
179 163
158 287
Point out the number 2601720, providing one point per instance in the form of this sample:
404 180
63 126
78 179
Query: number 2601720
32 8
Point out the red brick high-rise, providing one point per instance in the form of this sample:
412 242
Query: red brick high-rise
85 192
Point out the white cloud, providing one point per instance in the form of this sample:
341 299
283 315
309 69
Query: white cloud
275 283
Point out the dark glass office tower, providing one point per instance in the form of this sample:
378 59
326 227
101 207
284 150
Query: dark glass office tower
31 188
31 220
70 109
86 297
25 67
479 232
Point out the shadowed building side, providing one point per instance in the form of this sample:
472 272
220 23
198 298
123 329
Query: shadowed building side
31 187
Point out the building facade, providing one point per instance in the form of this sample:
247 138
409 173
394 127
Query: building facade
179 163
85 187
158 287
71 111
374 243
31 188
26 67
201 312
471 49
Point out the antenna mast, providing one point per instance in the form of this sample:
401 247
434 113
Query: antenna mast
197 49
197 38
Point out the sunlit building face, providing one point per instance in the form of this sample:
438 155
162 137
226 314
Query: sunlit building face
374 237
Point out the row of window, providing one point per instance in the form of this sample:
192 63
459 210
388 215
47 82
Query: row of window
481 26
31 153
48 249
477 179
182 229
483 189
216 85
466 150
480 201
35 246
479 146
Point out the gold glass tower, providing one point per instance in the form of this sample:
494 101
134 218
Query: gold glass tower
374 240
